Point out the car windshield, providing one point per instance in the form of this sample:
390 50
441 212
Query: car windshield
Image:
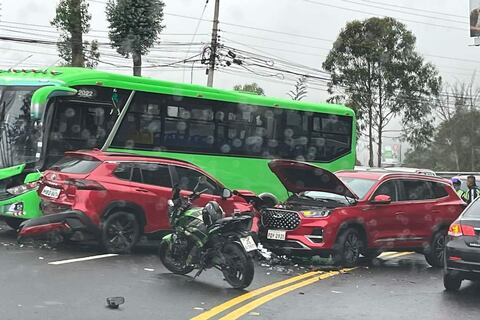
19 132
359 186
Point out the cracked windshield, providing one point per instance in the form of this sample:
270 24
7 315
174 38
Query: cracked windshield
241 159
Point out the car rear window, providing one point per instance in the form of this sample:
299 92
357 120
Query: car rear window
359 186
71 164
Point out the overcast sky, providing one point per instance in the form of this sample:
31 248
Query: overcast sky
443 39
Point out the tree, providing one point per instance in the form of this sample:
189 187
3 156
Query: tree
300 89
135 26
73 20
373 63
250 88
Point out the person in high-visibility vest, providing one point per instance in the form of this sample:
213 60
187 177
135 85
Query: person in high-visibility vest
473 192
456 185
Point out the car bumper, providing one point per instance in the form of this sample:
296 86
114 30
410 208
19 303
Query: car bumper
24 206
462 260
297 244
66 223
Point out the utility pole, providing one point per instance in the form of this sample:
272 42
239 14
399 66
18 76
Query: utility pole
214 44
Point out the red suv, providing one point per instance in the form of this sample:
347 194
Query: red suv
353 213
119 197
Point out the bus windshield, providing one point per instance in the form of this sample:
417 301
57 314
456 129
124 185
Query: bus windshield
19 133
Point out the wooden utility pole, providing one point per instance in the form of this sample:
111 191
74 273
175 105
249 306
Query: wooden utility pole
214 44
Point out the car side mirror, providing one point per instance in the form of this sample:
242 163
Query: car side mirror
226 193
381 199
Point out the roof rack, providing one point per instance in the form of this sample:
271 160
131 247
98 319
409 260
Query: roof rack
132 155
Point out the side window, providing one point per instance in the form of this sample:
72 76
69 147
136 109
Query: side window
156 174
123 171
388 188
142 126
416 190
187 180
439 190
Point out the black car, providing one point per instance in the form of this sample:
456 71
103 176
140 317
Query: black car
462 249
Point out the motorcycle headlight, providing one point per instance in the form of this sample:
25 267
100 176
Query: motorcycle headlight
316 213
18 190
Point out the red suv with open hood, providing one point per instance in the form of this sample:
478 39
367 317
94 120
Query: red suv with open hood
353 213
119 197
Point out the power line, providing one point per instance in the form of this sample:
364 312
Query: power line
419 9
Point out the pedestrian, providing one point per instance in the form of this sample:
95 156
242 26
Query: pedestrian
473 192
456 185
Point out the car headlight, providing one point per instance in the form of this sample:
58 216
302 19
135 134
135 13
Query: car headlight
316 213
18 190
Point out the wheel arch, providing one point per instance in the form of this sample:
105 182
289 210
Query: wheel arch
357 225
126 206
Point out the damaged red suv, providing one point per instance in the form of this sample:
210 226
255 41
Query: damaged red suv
119 197
352 213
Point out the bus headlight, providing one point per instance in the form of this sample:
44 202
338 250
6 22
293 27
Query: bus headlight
18 190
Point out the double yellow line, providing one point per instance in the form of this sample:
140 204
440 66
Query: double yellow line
279 288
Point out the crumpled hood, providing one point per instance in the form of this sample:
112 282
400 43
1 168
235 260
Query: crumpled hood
300 176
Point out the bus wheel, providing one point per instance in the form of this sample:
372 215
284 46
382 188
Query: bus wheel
13 223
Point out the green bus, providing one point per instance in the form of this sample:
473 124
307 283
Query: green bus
232 135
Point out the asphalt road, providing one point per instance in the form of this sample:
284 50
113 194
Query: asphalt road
397 287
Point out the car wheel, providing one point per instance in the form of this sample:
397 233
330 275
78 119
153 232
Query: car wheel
347 248
13 223
120 232
451 282
436 251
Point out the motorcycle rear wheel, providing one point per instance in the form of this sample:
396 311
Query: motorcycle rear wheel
239 268
173 265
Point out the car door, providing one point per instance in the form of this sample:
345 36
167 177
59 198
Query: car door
418 202
152 187
382 219
187 179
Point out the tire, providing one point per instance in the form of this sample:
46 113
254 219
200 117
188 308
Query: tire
347 249
120 232
13 223
239 269
451 282
436 251
165 254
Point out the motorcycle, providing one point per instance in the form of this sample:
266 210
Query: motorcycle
203 238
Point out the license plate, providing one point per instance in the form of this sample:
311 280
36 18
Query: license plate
276 234
51 192
248 243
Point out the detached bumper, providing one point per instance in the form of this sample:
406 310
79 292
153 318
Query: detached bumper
462 260
65 223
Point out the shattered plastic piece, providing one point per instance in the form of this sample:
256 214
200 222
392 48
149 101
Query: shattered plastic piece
115 302
334 291
253 313
40 258
198 308
149 269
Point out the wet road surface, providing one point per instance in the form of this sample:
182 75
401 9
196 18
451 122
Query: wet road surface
397 287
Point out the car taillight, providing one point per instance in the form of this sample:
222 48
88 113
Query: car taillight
15 191
457 230
83 184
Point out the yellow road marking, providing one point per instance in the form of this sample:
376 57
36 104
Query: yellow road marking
230 303
387 253
396 255
237 313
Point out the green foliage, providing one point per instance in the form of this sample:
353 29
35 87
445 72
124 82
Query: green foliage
73 20
300 89
135 26
250 88
376 69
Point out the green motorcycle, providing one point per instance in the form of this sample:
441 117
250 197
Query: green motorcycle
202 239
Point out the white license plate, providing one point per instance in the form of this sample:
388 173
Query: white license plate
276 234
51 192
248 243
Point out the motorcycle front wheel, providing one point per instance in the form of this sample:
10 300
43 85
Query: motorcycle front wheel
238 269
175 264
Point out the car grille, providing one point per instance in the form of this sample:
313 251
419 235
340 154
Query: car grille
280 219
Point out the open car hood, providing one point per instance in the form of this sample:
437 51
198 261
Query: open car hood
300 176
